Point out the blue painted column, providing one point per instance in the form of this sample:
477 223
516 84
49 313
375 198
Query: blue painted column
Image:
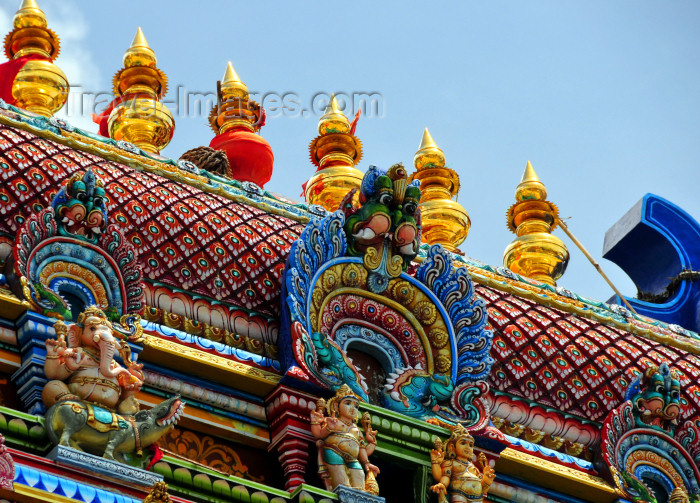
32 331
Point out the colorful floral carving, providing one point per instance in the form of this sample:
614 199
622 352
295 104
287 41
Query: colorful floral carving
331 305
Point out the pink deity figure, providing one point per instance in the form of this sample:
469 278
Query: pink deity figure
81 365
456 475
343 451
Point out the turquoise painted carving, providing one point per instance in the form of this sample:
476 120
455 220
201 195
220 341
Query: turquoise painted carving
655 397
335 367
417 394
80 207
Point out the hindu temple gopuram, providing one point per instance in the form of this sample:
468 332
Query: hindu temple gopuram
170 331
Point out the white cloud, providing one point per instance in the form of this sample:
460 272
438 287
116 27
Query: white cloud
76 58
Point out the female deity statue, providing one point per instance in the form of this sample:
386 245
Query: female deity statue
456 474
343 452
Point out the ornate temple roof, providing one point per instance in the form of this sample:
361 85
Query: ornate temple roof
576 365
200 237
186 238
235 252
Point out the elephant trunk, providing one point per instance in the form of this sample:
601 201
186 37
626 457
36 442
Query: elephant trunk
106 359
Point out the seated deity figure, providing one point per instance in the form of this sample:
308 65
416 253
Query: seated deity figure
343 450
81 364
456 475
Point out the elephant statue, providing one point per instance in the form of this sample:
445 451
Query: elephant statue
81 365
87 427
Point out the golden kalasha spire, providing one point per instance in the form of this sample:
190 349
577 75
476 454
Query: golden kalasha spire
334 120
535 253
140 53
444 220
141 118
231 84
234 110
335 152
40 86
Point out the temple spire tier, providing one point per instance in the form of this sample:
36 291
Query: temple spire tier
234 109
140 117
335 152
235 119
535 252
444 220
39 85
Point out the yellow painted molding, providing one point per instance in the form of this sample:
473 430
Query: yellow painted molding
556 477
209 423
26 494
176 356
11 307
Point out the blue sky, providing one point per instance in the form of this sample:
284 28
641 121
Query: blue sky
601 96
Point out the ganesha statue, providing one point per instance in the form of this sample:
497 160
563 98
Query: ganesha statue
343 451
81 365
458 479
91 398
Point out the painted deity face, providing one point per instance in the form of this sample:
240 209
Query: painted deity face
97 329
658 402
464 448
349 408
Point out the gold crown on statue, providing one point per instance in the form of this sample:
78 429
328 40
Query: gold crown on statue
93 312
343 393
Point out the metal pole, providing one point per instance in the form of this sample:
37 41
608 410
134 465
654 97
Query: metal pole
595 264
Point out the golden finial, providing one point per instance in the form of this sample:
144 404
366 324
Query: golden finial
234 110
335 152
140 53
444 220
429 155
231 84
530 186
535 253
334 120
29 14
141 118
40 86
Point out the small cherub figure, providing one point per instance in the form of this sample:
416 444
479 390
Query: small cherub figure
454 471
343 450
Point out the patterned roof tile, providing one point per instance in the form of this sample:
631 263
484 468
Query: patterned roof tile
581 367
178 230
